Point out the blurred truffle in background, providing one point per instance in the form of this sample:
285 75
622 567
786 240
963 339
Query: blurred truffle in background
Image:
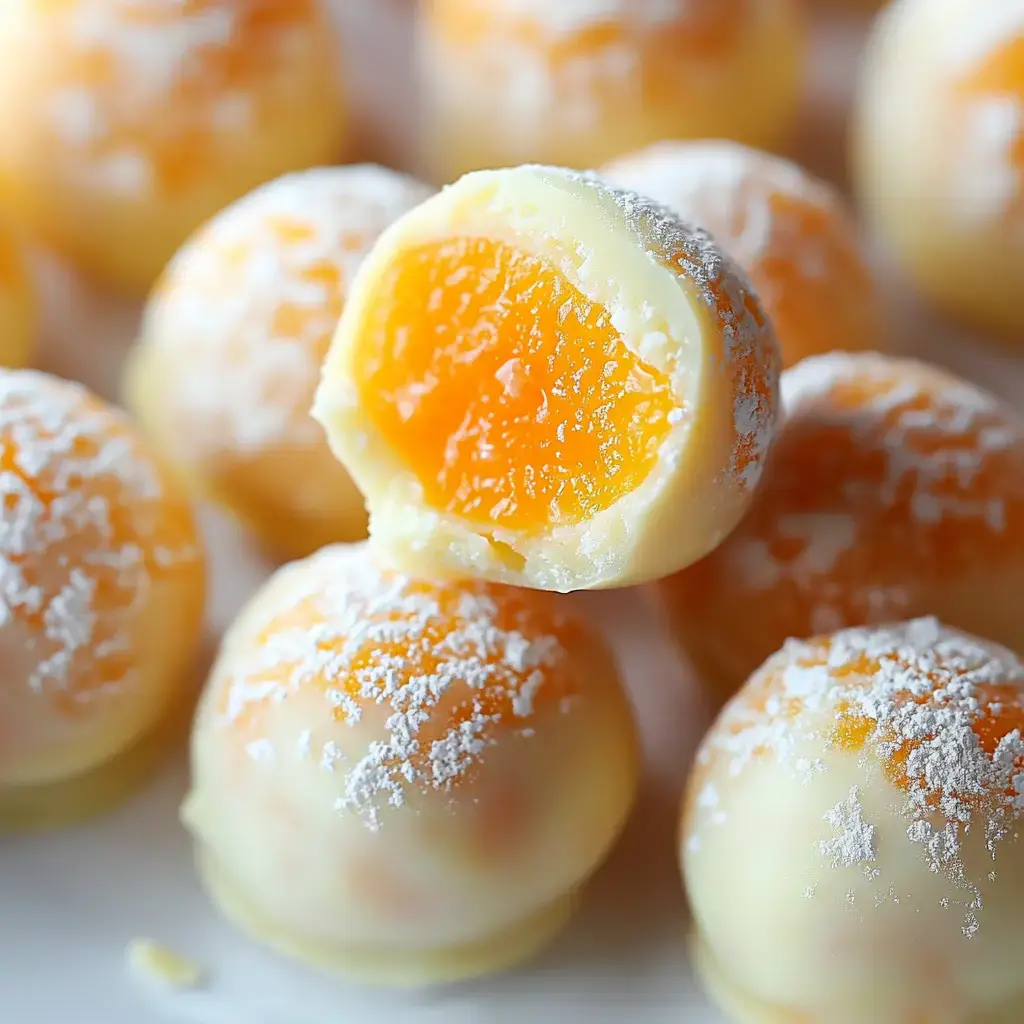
939 153
577 82
17 303
124 125
790 231
232 340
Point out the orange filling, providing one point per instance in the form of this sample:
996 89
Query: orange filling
507 392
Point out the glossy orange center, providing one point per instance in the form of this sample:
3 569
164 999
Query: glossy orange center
508 393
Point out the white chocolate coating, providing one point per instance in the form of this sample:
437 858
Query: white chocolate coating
850 839
790 231
939 152
125 124
101 586
894 490
577 82
680 307
254 298
406 780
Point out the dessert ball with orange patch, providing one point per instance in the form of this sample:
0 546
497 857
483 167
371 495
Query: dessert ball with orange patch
939 152
17 304
233 338
101 601
125 124
894 490
791 232
405 780
575 82
543 380
851 837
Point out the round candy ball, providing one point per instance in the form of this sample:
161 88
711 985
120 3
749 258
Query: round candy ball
101 602
406 780
894 489
229 353
851 837
575 82
939 153
791 232
125 125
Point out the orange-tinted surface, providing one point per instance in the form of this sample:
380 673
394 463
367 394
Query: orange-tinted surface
389 634
702 29
230 48
12 273
833 305
839 452
791 235
993 711
508 393
226 263
926 496
94 539
664 60
999 713
1002 75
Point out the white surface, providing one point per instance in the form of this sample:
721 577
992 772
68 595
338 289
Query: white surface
71 902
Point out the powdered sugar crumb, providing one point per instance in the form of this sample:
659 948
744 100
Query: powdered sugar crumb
854 839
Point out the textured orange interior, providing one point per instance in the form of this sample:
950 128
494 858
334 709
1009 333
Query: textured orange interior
507 392
422 642
171 136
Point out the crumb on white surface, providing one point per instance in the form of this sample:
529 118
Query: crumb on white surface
154 962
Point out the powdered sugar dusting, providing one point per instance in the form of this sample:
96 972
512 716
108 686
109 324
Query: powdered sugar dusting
731 190
938 711
421 679
568 17
140 79
988 27
538 95
980 88
990 163
909 450
255 298
854 839
72 574
750 353
149 49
